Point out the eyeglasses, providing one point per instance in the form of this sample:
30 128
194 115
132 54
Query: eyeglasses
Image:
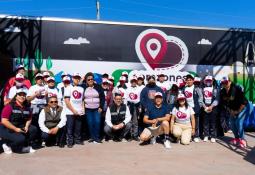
91 79
51 102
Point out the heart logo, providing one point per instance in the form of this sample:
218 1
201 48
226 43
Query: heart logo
133 96
181 115
76 94
188 94
207 94
157 51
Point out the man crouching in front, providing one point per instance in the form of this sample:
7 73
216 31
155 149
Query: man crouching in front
157 119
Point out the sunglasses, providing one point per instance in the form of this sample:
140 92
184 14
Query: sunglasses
91 79
51 102
38 78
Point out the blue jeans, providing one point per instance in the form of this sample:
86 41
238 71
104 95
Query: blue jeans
237 124
94 123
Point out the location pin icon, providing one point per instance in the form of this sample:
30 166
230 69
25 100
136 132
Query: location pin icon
153 46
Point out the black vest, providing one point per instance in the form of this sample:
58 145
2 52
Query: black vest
52 120
19 116
118 117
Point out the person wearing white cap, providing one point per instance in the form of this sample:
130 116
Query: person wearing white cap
121 87
194 99
19 83
162 83
140 81
61 84
197 81
15 127
133 101
234 100
46 75
74 108
125 74
211 97
182 124
37 97
19 69
156 118
52 90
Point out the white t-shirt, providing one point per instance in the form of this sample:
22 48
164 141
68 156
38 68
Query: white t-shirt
183 114
76 95
165 86
41 99
189 95
55 92
208 95
60 85
133 94
13 92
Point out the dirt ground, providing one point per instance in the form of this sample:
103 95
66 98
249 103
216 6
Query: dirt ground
112 158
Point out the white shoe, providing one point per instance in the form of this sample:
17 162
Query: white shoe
206 139
196 140
28 149
95 142
167 144
153 140
7 149
213 140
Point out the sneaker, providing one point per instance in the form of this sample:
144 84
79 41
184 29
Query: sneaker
124 140
167 144
206 139
7 149
234 141
153 140
213 140
96 142
242 143
28 149
196 140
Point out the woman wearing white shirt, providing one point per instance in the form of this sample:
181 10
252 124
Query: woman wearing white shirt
182 124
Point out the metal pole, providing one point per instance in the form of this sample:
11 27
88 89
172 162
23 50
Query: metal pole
98 9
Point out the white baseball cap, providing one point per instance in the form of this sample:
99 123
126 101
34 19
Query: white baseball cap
21 90
122 78
158 94
66 78
76 74
64 74
124 73
133 78
39 75
208 77
105 80
46 74
110 77
50 79
197 79
181 96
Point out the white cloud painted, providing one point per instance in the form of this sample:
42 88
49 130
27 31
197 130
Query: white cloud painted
78 41
11 28
204 42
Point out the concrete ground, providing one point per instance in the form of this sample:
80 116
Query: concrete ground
130 158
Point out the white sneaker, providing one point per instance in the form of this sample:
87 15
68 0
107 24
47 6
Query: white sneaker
95 142
7 149
167 144
206 139
153 140
213 140
196 140
28 149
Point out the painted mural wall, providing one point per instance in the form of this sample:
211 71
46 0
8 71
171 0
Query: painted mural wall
60 46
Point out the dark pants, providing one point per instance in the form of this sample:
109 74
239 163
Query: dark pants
121 133
197 125
134 110
58 138
73 125
14 139
94 120
209 123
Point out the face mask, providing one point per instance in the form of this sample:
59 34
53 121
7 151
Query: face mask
151 84
18 84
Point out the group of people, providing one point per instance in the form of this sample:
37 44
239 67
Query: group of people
79 108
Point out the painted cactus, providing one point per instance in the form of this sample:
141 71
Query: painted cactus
38 59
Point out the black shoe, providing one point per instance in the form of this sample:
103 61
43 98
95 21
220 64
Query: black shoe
116 139
79 143
136 139
61 145
144 143
69 145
